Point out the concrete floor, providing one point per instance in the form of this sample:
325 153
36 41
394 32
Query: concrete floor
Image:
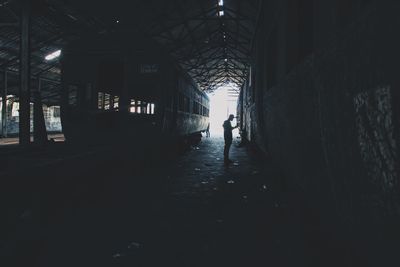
186 211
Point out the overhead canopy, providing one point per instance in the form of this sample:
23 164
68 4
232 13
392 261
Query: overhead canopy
210 39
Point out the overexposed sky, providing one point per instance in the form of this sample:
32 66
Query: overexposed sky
220 107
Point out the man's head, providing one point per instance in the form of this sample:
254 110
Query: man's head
231 117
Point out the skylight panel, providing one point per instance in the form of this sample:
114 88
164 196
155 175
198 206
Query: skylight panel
53 55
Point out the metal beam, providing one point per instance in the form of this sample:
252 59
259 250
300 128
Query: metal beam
39 124
24 89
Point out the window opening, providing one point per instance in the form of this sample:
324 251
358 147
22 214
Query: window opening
116 102
53 55
133 106
138 107
100 103
106 101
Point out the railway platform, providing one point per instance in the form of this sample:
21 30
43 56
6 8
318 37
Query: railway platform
131 209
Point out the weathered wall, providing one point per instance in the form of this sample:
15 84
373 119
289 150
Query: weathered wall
329 117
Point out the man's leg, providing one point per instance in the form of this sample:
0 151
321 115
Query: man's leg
226 150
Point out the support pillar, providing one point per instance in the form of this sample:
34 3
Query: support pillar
111 102
39 124
24 88
4 112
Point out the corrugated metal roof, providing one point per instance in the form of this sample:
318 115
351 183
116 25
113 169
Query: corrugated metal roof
212 48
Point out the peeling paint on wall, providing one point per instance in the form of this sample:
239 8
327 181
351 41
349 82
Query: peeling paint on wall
374 120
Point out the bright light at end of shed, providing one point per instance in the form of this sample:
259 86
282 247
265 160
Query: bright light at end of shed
53 55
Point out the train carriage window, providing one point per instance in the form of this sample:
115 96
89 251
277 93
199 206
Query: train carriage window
106 101
194 107
187 104
207 112
100 103
150 108
111 102
144 107
133 106
116 102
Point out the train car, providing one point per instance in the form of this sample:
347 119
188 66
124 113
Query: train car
116 87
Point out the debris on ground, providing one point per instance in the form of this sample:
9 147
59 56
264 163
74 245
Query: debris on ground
117 255
135 245
264 188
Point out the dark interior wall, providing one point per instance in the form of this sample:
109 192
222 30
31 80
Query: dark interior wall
329 120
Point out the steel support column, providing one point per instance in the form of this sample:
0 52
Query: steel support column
4 106
24 88
39 124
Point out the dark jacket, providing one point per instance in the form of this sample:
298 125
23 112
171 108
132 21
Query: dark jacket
228 130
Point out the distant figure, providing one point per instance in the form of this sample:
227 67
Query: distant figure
208 130
228 137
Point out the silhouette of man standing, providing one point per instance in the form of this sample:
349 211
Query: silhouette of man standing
228 137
